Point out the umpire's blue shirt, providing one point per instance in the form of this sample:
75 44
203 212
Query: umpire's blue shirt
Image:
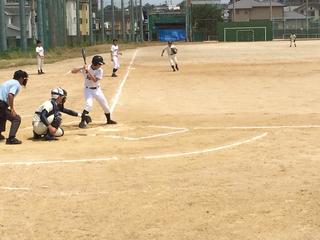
11 86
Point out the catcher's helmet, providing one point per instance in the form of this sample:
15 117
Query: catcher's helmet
97 60
56 92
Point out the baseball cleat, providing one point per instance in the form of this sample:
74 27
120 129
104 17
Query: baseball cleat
82 124
13 141
111 122
49 137
2 137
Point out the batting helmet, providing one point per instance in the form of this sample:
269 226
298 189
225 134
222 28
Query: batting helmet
97 60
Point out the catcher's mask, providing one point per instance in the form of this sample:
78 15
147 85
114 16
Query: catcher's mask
56 92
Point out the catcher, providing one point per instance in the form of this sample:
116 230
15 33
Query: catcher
47 120
172 52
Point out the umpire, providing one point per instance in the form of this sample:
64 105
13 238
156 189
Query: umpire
8 91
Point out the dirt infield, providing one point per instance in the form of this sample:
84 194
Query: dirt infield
226 148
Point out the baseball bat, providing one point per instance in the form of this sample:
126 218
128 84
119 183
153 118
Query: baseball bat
84 55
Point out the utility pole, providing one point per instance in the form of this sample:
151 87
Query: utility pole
187 20
307 6
23 35
33 20
112 20
90 24
40 21
123 29
270 10
3 29
78 20
102 21
233 11
141 22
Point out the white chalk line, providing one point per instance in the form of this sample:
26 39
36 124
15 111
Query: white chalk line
179 130
116 98
259 127
171 155
15 188
28 163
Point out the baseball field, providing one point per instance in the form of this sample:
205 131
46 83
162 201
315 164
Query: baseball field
227 148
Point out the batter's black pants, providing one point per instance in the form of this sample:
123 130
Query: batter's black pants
5 114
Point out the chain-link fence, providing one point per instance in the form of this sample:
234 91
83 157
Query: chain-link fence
63 23
301 27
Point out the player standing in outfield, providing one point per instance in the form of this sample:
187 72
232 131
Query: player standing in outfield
172 52
293 38
40 56
92 75
8 91
115 57
47 120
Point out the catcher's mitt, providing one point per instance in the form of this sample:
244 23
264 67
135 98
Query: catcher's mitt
173 51
56 122
87 119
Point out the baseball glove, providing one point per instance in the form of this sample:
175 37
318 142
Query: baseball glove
56 122
87 119
173 51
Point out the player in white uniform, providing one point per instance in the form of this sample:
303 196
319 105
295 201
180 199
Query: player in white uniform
293 38
172 52
40 56
46 121
92 75
115 57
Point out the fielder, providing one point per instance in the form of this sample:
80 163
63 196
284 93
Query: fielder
8 91
47 119
293 38
114 52
40 56
172 52
92 75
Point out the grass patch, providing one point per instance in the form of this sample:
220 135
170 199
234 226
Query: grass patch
16 58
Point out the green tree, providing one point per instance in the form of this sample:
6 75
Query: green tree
204 18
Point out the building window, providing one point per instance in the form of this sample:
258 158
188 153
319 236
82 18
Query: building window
80 20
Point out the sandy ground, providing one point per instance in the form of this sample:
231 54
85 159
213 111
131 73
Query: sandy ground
226 148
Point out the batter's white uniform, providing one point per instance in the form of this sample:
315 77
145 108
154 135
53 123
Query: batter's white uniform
92 90
38 126
40 55
115 56
172 57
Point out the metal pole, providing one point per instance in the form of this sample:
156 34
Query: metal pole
3 28
141 22
233 11
123 22
90 23
102 21
187 21
33 22
270 10
40 20
307 6
78 21
112 20
131 21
